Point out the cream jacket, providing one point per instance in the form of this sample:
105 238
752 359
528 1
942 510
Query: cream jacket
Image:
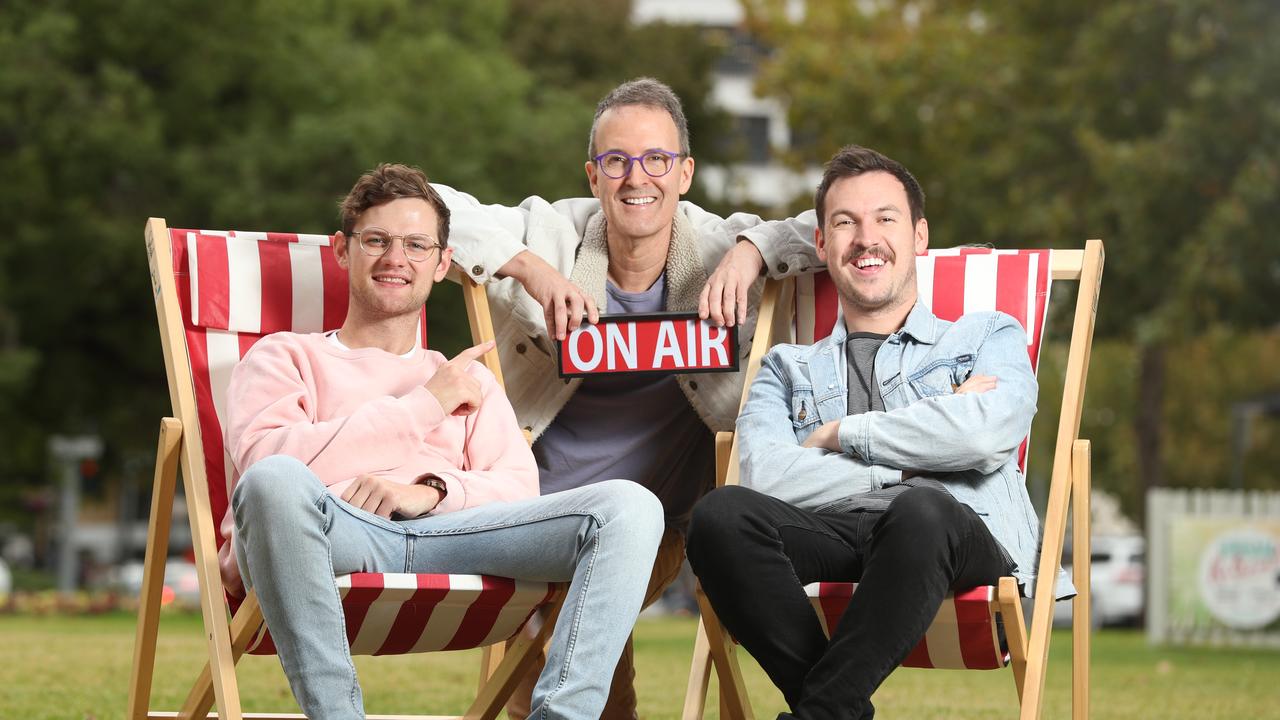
570 236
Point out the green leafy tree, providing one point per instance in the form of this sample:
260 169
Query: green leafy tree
1154 124
233 114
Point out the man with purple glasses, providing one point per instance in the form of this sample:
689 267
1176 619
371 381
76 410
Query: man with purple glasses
634 248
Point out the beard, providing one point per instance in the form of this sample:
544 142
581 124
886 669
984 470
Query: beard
876 296
375 306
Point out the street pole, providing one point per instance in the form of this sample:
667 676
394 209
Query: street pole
68 452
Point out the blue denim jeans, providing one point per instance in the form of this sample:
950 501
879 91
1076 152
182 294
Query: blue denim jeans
293 537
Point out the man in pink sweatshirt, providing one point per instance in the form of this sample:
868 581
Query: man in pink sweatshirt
361 452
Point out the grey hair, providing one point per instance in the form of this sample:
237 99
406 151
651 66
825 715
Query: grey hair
648 92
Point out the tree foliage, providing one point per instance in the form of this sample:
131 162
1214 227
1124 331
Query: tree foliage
1153 124
249 115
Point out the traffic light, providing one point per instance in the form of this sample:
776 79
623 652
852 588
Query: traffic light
90 478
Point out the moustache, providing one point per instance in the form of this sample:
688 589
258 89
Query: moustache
875 252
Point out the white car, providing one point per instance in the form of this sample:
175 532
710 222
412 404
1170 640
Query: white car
180 581
1118 572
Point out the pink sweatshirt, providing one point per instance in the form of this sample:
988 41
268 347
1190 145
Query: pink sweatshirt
350 412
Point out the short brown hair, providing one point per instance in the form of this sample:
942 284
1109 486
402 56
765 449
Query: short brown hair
854 160
391 181
647 92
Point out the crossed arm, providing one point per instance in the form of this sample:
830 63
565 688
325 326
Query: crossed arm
975 427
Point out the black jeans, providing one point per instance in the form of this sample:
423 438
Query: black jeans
754 553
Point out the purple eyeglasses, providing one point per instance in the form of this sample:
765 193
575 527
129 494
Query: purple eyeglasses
617 164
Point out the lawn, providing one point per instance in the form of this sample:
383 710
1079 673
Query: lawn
78 668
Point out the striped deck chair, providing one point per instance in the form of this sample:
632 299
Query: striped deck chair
980 628
216 294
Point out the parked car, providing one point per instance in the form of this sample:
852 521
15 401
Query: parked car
181 583
1118 573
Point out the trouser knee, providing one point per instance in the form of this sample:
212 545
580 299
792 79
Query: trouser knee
629 506
720 521
926 519
274 488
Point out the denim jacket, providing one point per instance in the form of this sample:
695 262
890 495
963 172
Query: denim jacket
968 442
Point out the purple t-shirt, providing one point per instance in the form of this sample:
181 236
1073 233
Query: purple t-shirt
634 428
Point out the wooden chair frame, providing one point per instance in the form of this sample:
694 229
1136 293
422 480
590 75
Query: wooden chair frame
180 444
1069 490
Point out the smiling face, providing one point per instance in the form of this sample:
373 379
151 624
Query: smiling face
869 244
637 207
391 286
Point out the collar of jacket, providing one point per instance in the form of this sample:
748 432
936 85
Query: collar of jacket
685 274
921 324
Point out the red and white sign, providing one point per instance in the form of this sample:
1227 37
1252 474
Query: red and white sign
665 343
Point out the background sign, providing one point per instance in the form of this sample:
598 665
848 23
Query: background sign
662 343
1226 573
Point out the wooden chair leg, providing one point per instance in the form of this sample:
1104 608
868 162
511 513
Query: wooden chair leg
490 659
213 606
735 703
1081 605
518 659
162 492
695 694
244 626
1009 601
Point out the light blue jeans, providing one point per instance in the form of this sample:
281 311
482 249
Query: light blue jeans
293 537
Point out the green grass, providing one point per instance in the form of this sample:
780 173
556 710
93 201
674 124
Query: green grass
58 667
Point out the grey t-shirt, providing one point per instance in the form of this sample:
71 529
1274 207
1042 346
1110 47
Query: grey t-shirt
860 353
864 395
634 428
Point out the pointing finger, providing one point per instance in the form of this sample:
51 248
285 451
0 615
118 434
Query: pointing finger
474 352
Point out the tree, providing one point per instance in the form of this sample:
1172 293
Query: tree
1154 124
234 114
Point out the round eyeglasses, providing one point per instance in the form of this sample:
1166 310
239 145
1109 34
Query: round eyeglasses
617 164
376 242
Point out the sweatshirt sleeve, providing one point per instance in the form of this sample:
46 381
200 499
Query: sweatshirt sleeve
270 411
497 462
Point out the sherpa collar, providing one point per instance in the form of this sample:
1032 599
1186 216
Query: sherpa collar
685 274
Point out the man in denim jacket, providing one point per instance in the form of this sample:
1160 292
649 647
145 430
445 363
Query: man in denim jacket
885 454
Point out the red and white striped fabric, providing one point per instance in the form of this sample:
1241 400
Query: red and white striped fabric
399 613
951 282
965 634
234 288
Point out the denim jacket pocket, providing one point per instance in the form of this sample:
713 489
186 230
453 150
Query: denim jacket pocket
942 376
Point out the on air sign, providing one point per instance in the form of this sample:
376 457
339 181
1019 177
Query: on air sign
659 343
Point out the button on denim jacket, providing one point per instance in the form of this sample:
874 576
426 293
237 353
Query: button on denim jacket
968 442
